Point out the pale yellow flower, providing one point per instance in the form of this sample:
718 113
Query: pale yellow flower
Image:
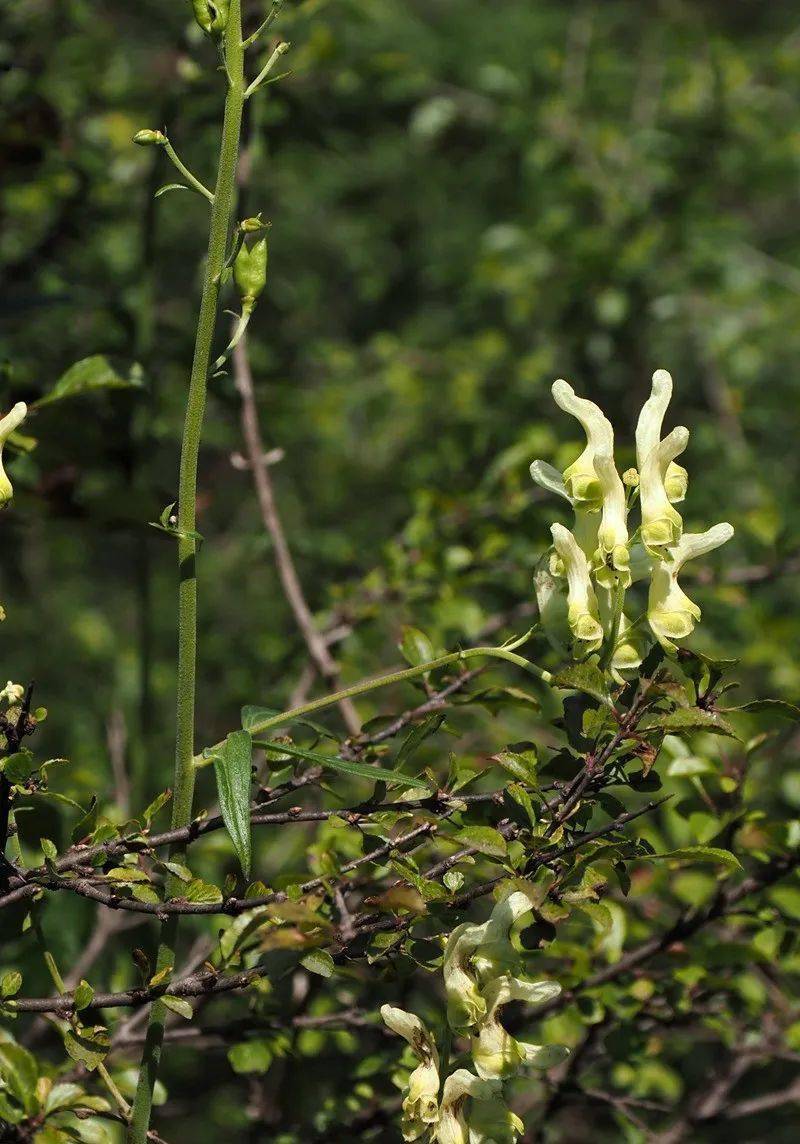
670 613
582 611
421 1100
8 424
495 1053
580 478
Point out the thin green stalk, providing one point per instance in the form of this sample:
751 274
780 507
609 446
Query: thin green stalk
384 681
191 179
183 784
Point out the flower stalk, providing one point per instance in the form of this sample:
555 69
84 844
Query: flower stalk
184 776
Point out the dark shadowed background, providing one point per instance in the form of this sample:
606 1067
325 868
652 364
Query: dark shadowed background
467 200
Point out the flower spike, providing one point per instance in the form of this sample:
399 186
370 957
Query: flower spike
582 611
670 612
580 477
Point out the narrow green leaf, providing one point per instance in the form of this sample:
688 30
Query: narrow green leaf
345 766
695 854
233 768
84 376
690 719
778 707
170 187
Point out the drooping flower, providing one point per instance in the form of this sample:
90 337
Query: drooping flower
474 953
582 611
8 424
580 478
495 1053
421 1100
670 612
459 1086
492 1122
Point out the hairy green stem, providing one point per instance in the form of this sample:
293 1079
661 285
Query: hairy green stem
384 681
183 784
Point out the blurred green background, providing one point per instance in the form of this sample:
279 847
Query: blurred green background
468 200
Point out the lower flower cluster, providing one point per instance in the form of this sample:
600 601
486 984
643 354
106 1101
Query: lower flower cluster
481 974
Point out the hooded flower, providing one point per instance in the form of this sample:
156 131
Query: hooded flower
8 424
491 1122
613 558
648 434
580 478
495 1053
670 612
461 1084
661 523
629 646
421 1101
582 612
661 481
473 954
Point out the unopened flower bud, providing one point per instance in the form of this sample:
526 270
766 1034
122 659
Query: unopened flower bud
212 15
250 270
252 225
630 478
148 138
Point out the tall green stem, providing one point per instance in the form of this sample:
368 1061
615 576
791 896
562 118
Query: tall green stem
183 784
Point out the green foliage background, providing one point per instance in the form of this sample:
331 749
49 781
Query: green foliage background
467 200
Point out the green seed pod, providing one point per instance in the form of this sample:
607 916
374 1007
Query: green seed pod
148 138
212 15
250 270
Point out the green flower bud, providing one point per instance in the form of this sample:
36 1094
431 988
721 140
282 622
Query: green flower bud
148 138
252 225
250 270
212 15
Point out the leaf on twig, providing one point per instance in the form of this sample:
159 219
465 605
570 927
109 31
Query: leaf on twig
233 768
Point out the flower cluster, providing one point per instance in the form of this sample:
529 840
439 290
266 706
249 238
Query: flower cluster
480 969
581 588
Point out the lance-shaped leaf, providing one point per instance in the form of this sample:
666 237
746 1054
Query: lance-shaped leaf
233 769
